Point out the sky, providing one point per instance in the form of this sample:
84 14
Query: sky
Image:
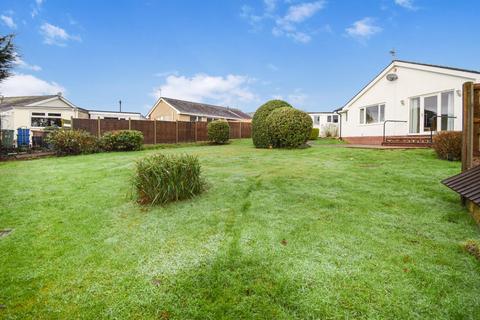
237 53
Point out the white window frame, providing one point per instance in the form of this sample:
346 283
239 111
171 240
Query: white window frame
47 115
381 116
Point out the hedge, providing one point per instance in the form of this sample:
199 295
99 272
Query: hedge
314 134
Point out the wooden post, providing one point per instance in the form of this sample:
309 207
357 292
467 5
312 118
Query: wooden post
240 129
129 123
196 137
467 143
71 122
154 131
98 124
176 131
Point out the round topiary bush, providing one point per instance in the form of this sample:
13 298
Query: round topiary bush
259 126
160 179
288 127
218 131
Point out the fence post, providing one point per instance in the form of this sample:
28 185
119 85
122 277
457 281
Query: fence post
154 131
468 100
71 122
129 123
98 124
176 131
196 137
240 129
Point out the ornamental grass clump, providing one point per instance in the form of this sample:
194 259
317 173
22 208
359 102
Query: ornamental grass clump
160 179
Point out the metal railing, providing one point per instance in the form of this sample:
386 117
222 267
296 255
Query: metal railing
435 124
385 122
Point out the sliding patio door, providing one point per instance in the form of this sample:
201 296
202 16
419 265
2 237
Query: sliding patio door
432 112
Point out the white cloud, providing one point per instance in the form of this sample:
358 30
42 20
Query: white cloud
296 14
363 29
303 11
288 24
26 84
228 90
8 21
39 2
272 67
296 99
54 35
407 4
36 8
166 73
24 65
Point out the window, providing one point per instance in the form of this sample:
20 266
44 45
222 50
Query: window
39 120
193 118
329 118
316 119
335 119
372 114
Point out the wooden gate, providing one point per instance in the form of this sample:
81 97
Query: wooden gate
471 125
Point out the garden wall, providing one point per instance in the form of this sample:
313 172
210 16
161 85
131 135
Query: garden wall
155 132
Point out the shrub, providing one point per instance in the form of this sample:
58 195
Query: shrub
448 145
164 178
259 126
314 134
122 140
472 247
70 142
218 131
289 128
330 131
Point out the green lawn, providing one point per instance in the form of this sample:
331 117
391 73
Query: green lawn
323 232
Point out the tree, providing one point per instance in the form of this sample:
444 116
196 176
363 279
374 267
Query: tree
7 56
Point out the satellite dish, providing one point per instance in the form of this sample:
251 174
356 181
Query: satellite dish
392 77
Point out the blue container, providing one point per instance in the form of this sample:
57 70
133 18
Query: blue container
23 137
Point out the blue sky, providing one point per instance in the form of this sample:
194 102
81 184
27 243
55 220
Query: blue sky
240 53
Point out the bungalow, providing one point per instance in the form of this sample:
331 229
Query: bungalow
168 109
407 100
37 112
326 122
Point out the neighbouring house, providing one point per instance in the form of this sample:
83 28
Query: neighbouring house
37 112
119 115
326 122
409 101
34 113
168 109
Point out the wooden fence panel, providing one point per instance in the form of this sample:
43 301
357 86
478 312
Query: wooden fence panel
186 131
246 130
166 132
89 125
160 131
234 130
202 133
147 128
112 125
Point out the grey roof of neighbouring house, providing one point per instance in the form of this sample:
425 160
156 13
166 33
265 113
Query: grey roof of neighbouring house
467 184
23 100
203 109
